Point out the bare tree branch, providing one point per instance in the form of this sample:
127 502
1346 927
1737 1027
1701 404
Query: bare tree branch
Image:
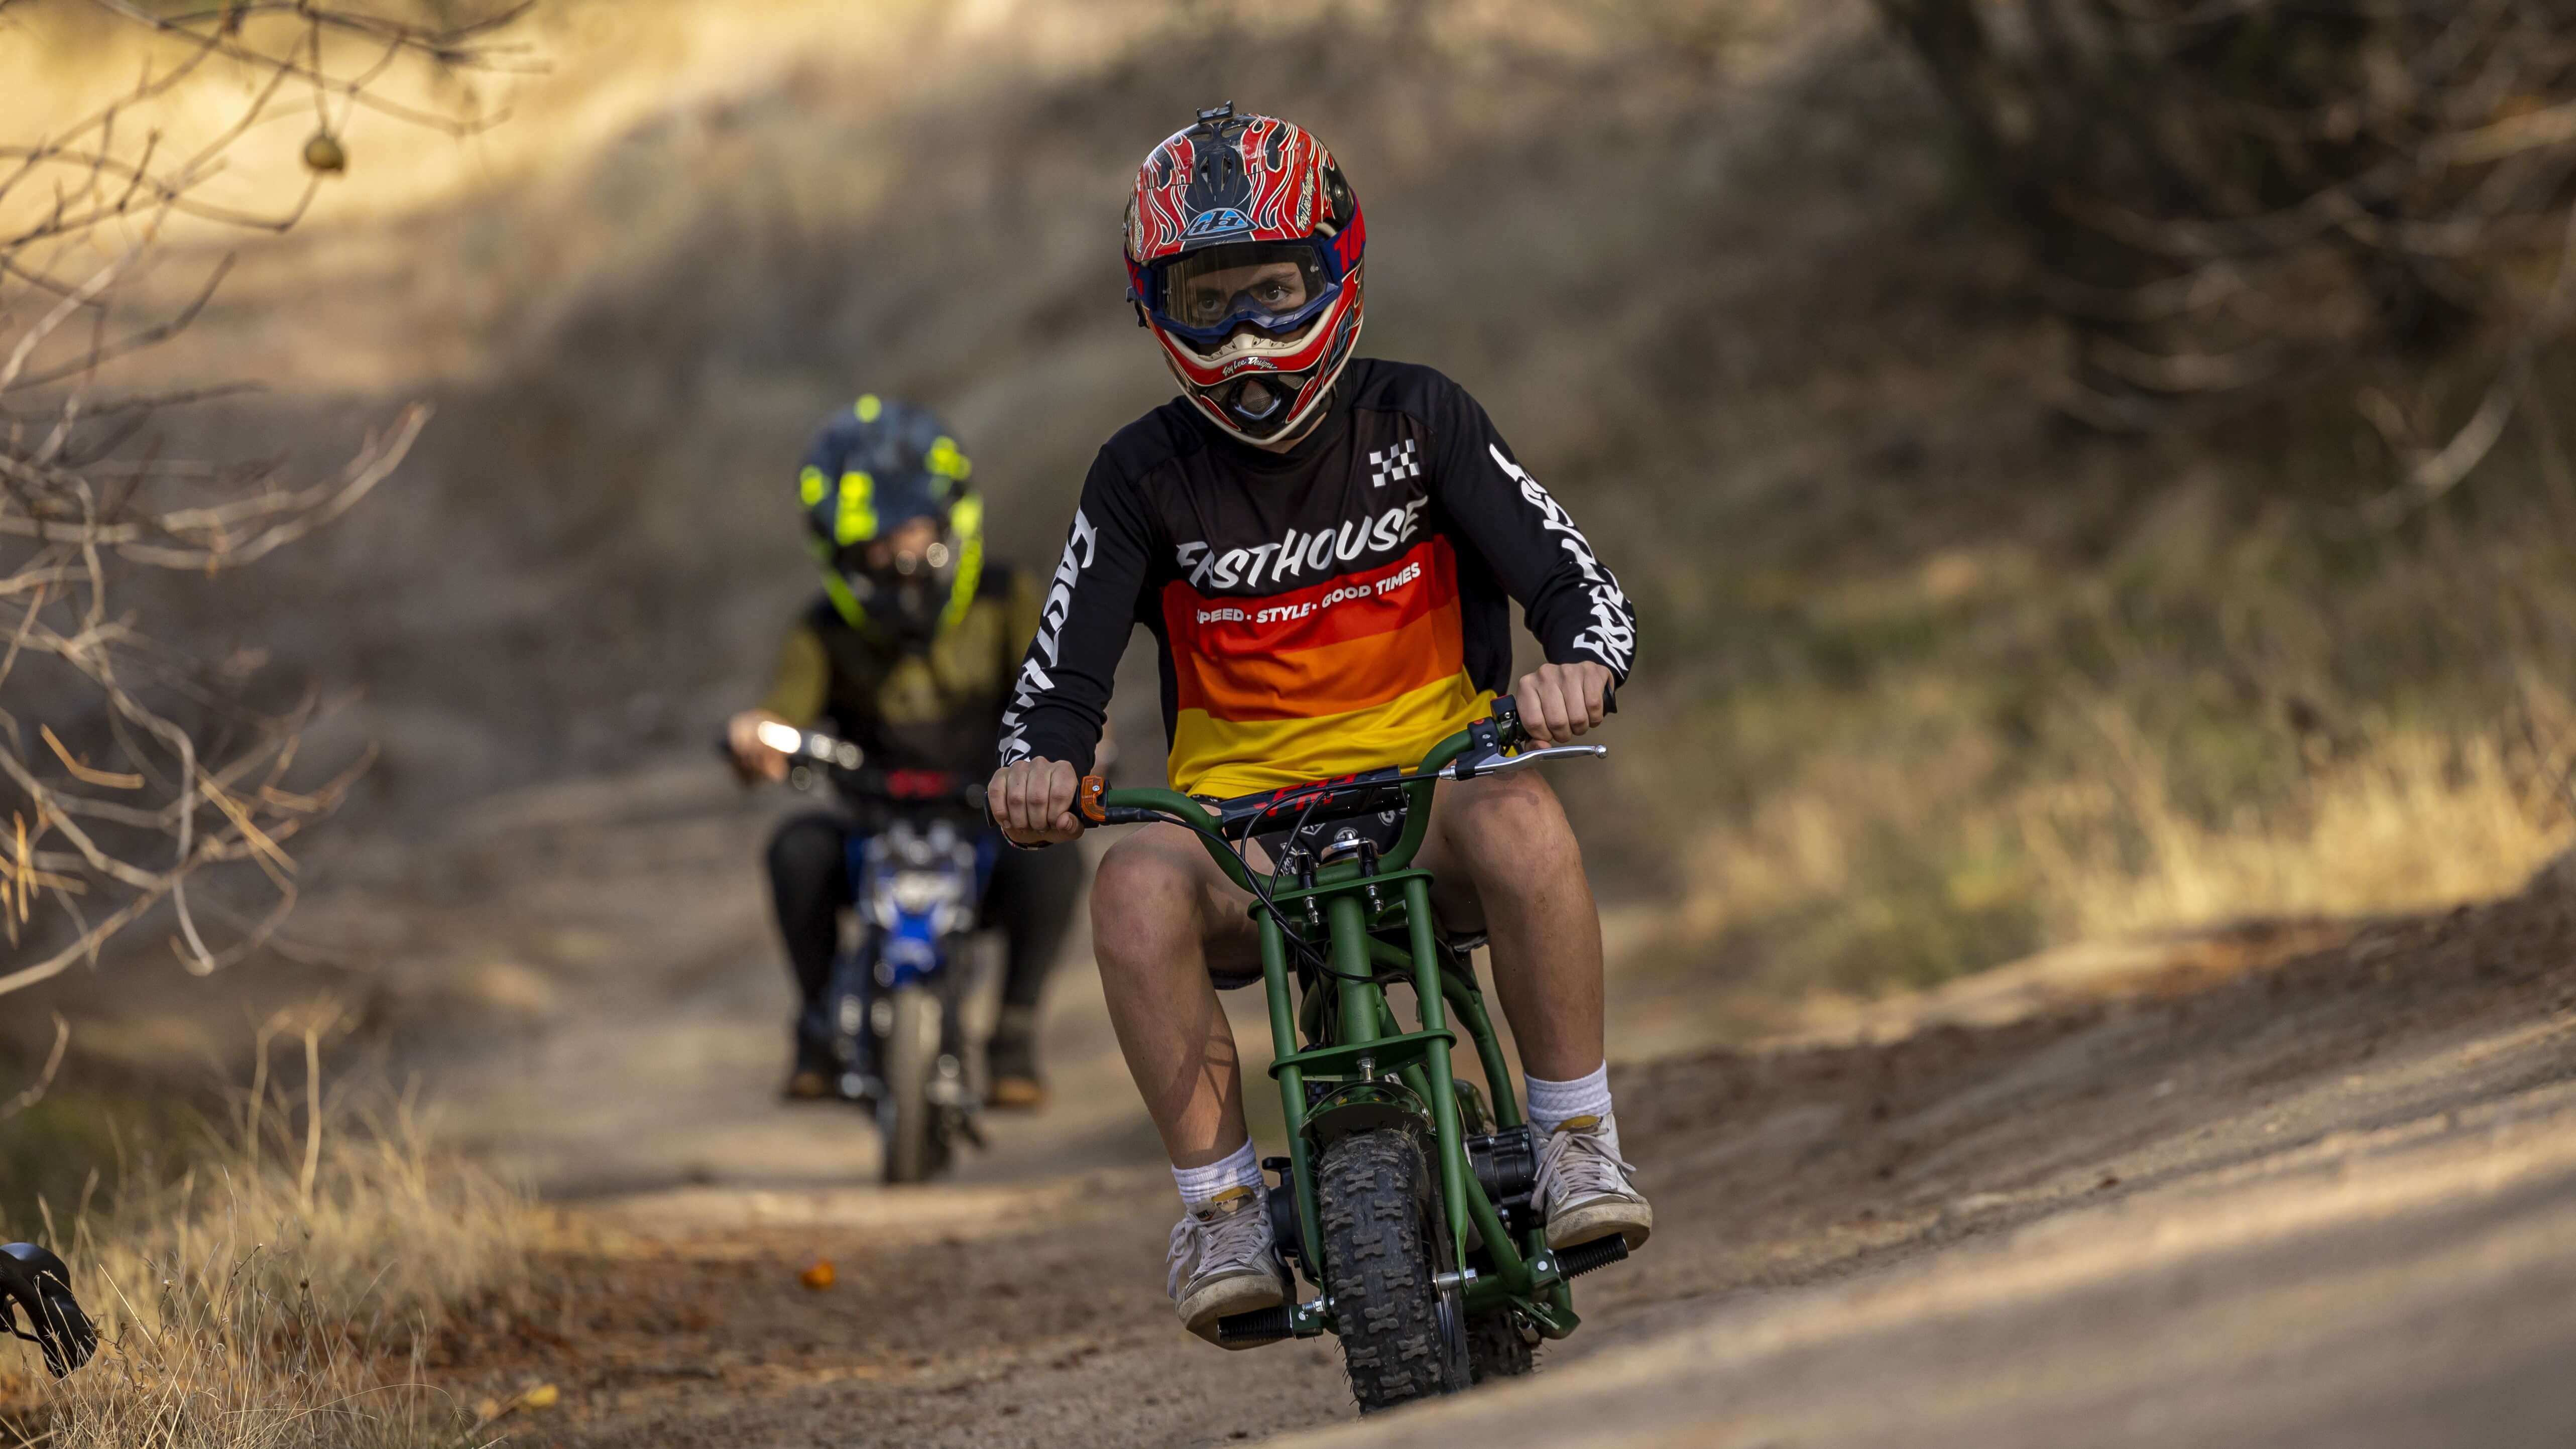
44 1079
128 772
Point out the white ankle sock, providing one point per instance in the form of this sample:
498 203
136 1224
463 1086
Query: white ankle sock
1552 1103
1200 1185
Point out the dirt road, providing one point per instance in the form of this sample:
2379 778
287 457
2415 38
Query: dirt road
2295 1186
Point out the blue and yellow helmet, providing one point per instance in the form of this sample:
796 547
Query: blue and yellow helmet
875 468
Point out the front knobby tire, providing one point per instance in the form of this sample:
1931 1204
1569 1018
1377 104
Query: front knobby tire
1383 1235
907 1115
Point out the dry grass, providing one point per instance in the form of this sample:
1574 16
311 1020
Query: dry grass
277 1292
2167 692
2417 821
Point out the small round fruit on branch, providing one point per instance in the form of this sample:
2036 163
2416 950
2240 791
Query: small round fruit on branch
323 154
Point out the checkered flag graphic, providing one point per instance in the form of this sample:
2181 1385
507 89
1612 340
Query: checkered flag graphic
1393 465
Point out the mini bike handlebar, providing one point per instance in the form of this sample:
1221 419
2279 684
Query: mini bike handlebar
1481 749
811 753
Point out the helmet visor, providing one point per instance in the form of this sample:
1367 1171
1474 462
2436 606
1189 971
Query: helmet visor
1275 288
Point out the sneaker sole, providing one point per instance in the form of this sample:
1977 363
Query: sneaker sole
1246 1293
1634 1221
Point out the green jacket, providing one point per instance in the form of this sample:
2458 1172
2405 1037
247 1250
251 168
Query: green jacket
934 708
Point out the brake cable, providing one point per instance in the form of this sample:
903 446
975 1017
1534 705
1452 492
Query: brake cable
1306 953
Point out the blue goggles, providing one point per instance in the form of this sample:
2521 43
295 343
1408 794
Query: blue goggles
1276 288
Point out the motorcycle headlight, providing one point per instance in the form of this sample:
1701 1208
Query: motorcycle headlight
918 892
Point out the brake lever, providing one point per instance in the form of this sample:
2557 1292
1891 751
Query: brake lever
1504 764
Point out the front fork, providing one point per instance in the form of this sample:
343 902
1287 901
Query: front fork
1530 1280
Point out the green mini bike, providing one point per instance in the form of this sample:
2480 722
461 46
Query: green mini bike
1406 1195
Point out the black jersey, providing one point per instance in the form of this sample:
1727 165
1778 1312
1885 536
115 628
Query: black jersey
1333 608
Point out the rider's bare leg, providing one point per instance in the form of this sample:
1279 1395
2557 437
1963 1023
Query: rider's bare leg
1507 839
1159 909
1158 906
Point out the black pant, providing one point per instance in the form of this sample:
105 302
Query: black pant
1031 899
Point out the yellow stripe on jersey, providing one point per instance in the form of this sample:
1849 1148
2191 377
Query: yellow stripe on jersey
1211 756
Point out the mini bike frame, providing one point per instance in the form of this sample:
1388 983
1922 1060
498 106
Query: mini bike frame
1343 1060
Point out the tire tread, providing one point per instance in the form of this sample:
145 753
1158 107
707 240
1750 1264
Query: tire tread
1374 1192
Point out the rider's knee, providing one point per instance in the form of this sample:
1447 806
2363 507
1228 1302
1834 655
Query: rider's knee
1516 819
1145 895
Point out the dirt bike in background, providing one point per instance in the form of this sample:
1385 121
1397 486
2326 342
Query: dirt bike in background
1406 1195
920 861
36 1283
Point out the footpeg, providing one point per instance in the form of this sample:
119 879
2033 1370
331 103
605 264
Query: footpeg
1268 1325
1262 1325
1582 1258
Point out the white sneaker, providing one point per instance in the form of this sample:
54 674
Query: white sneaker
1223 1262
1583 1190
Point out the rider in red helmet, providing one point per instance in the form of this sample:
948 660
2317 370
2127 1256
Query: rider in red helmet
1327 551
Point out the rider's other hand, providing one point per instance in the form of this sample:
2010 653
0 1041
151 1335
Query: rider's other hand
1033 801
1559 701
752 754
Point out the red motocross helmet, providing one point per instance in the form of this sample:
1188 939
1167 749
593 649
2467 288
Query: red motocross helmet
1243 256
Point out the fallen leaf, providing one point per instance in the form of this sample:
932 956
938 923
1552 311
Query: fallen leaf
818 1275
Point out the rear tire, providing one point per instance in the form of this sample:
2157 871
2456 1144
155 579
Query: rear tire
907 1116
1498 1349
1383 1236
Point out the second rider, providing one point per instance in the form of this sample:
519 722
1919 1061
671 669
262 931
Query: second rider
908 653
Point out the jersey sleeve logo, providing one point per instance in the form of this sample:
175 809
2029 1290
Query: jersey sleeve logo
1611 637
1081 546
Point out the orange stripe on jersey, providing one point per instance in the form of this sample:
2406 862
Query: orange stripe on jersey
1327 679
1211 756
